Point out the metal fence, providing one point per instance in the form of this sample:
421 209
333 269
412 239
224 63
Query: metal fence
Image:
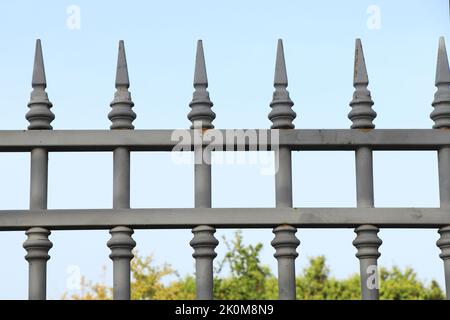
362 138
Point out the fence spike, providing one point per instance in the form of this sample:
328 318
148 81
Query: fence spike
201 114
39 116
280 66
200 76
122 79
441 118
38 69
360 70
441 102
282 115
442 68
37 243
362 113
122 115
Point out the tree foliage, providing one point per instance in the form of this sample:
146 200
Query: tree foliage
247 278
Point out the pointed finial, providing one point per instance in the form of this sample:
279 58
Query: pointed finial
442 68
122 115
201 114
441 102
362 113
360 71
282 115
280 66
200 77
38 68
122 79
39 116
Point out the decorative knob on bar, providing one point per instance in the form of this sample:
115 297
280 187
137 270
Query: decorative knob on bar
282 115
367 242
39 116
362 113
444 243
37 244
201 114
441 102
285 242
204 242
121 243
122 115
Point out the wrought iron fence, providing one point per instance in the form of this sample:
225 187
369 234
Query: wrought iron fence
202 139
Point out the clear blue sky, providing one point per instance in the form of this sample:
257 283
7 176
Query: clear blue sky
240 43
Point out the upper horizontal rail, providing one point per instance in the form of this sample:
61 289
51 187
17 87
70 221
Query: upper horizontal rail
186 218
166 140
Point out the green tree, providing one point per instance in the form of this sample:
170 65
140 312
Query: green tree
402 285
247 278
315 283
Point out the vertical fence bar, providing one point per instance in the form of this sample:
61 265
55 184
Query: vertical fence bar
203 241
441 118
444 186
37 243
121 242
367 241
285 241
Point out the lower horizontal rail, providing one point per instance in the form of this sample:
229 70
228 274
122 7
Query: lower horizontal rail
83 219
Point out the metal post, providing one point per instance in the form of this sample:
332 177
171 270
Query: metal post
37 243
444 187
121 245
202 178
285 241
204 244
364 177
285 244
121 242
203 241
366 241
441 118
283 177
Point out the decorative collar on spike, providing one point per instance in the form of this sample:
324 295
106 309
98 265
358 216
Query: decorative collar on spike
201 114
282 115
441 102
122 115
362 113
39 116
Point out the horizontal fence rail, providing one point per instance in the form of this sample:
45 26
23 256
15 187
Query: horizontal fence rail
203 139
186 218
163 140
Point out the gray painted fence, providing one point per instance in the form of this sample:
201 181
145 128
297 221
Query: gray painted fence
282 138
